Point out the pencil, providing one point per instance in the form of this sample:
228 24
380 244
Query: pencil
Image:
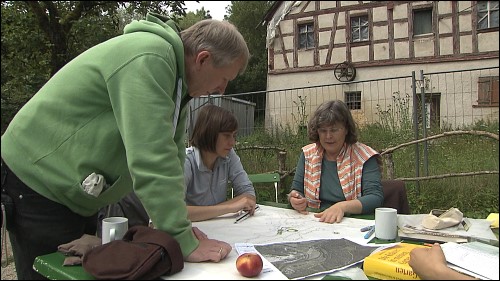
245 215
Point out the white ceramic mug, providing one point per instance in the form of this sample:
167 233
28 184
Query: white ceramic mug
386 223
113 228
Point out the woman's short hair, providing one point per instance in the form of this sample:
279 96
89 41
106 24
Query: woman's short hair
221 38
211 121
330 113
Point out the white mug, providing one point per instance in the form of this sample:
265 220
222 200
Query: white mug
386 223
113 228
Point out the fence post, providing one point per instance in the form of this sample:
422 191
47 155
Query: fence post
281 168
415 127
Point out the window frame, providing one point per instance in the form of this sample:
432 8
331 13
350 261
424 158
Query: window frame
487 16
415 24
487 91
360 26
353 100
309 41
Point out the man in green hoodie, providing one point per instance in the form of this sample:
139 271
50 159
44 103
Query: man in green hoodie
117 110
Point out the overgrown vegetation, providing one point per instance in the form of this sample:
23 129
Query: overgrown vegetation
475 196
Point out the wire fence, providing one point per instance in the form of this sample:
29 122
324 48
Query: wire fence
451 100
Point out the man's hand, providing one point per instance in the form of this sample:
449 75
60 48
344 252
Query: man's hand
210 250
199 234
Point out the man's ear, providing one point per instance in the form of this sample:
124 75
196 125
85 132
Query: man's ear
202 57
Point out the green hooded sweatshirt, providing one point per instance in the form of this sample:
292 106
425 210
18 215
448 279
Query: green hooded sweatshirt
110 111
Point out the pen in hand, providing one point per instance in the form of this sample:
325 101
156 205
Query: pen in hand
245 215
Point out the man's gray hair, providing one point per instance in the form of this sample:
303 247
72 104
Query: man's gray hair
221 38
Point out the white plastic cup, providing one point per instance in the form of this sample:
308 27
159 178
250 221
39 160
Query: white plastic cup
113 228
386 223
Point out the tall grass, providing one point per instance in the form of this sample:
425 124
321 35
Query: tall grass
475 196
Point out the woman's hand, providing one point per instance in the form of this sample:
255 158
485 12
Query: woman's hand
242 202
333 214
298 202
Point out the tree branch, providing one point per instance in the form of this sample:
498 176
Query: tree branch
445 134
40 15
449 175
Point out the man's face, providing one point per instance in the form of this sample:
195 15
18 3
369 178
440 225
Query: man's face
208 79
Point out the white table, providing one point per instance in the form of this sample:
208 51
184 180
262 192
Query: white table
263 228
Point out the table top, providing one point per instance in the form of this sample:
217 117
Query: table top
270 224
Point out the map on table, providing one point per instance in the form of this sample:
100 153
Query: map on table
297 260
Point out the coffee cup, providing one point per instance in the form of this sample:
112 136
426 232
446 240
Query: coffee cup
113 228
386 223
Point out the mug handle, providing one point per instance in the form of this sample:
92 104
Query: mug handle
111 234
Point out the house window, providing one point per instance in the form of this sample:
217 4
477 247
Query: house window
353 100
487 14
422 21
359 29
306 36
487 92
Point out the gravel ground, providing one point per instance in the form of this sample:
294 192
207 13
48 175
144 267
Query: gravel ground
8 272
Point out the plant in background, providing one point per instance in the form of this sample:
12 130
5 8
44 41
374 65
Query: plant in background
396 119
301 118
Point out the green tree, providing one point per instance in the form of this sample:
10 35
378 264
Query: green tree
247 16
191 18
39 37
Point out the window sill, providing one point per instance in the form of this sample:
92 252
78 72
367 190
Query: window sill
484 105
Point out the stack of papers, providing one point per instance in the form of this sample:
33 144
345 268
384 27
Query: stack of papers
410 228
474 258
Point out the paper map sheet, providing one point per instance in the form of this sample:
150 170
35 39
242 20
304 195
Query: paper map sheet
297 260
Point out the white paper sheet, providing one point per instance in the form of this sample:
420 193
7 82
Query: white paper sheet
476 260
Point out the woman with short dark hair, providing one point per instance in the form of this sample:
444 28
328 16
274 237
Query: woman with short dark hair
211 164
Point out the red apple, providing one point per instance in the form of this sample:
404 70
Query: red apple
249 264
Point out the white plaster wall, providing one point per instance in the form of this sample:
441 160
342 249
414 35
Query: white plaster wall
325 20
446 46
305 58
310 6
324 38
424 47
381 51
458 90
400 11
380 14
327 4
340 36
380 33
360 53
286 26
465 22
338 55
400 30
465 44
287 42
401 50
445 26
488 41
444 7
